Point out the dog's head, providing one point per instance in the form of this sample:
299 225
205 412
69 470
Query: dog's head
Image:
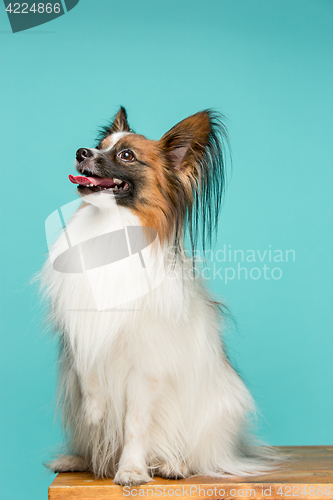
166 183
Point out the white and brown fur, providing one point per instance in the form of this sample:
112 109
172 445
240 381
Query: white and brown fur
148 389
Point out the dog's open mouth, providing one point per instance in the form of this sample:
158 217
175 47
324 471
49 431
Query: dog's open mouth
95 183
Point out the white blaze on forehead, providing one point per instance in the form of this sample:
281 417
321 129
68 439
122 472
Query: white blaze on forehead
113 139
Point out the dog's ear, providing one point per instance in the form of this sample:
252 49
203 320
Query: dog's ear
120 123
187 141
194 151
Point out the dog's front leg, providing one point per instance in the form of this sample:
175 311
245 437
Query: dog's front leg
93 400
141 393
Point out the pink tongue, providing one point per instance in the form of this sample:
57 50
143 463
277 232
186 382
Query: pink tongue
96 181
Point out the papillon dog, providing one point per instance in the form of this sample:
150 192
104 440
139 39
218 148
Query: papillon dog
145 385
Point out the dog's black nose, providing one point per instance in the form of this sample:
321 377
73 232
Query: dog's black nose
82 154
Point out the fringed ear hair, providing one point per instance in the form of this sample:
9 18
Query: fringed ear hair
118 124
194 150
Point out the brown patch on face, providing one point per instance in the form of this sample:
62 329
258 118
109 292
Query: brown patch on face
153 202
172 174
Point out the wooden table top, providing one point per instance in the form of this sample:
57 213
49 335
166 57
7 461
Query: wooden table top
308 475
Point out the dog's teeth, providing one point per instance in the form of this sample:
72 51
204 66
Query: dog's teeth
117 181
115 188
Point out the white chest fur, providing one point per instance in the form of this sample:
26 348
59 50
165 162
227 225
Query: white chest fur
144 382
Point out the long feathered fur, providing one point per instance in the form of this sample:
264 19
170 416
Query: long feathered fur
146 387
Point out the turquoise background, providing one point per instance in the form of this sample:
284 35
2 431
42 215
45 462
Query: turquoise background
267 65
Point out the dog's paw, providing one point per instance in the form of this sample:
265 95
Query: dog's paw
68 463
131 476
176 470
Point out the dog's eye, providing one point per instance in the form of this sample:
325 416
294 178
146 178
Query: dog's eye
126 155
